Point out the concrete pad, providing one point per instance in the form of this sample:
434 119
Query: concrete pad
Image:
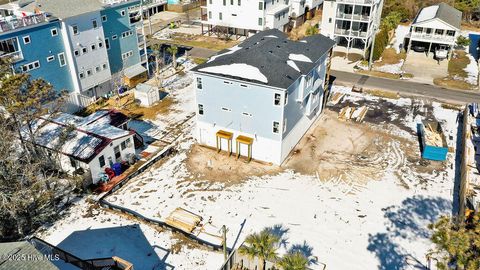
342 64
425 69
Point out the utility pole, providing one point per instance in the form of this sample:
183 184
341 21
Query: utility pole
224 235
372 48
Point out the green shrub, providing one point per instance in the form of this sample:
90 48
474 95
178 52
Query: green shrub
463 41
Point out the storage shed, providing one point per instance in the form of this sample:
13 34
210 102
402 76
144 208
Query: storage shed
434 143
135 75
146 94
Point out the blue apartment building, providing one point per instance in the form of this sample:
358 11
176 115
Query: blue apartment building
77 46
260 97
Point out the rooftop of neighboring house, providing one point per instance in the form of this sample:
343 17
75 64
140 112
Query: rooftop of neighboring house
441 11
81 138
21 251
268 58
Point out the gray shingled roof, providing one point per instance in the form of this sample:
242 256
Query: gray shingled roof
447 14
68 8
269 52
20 249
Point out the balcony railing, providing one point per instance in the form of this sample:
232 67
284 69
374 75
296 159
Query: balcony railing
356 1
15 56
19 22
356 17
353 33
433 37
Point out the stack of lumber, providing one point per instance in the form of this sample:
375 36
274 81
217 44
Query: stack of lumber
432 136
360 113
345 113
183 220
352 113
336 98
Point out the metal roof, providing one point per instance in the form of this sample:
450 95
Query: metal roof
134 70
22 249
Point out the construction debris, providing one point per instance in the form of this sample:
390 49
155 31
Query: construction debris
183 220
336 98
351 113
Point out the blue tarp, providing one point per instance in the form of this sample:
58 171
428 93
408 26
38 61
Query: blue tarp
474 49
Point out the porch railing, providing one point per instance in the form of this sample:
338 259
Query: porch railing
13 23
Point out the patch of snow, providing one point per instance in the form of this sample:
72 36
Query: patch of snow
271 36
103 234
400 34
427 13
299 57
293 65
393 69
238 70
472 71
230 51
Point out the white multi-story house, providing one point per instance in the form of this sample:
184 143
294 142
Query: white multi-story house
259 98
351 23
435 26
244 17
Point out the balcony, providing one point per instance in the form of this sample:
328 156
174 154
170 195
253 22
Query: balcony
355 17
15 56
8 24
366 2
351 33
433 37
140 39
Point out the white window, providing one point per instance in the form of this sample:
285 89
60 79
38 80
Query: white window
260 21
93 47
224 2
76 52
260 5
94 24
276 126
200 109
50 58
104 66
450 33
244 85
61 59
75 29
210 2
54 32
31 66
114 37
247 114
220 16
81 75
277 99
107 43
209 14
89 72
226 109
199 83
122 13
104 18
84 50
100 44
26 40
97 69
227 82
239 2
329 20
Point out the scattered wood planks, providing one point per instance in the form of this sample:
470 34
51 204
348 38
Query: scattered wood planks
352 113
336 98
183 220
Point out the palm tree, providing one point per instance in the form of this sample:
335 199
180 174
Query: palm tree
262 245
294 261
173 51
156 53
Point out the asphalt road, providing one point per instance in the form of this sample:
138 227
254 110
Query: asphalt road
407 88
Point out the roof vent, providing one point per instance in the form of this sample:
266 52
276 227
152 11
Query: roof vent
285 41
270 51
278 46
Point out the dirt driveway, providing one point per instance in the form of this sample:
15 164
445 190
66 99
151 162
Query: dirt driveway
425 69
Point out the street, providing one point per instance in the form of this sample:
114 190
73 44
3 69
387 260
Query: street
406 87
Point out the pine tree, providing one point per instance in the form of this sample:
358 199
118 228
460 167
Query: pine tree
457 245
